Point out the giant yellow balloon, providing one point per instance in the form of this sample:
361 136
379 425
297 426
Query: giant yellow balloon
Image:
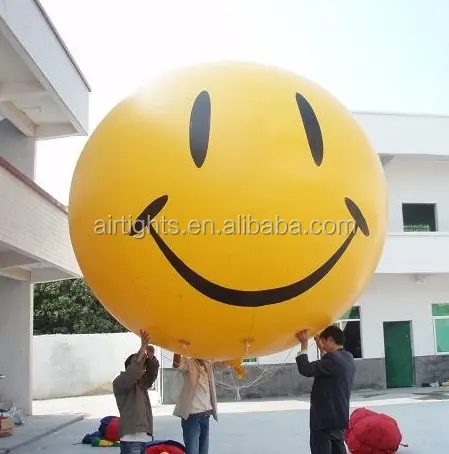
226 207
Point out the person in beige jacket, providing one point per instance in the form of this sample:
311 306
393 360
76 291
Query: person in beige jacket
197 401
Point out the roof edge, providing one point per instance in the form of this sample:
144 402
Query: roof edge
63 44
400 114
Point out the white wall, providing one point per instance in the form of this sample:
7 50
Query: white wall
401 298
415 253
17 149
15 342
417 180
81 364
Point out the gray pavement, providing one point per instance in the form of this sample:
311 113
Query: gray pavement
272 426
35 428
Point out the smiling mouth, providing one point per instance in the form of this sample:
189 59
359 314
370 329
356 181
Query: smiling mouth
247 298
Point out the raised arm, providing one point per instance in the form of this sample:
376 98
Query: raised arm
127 379
324 366
152 368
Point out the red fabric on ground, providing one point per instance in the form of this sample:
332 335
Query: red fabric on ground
163 449
111 431
372 433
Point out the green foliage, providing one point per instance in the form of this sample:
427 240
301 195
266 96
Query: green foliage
69 307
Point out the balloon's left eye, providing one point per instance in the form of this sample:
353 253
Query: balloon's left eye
312 127
199 129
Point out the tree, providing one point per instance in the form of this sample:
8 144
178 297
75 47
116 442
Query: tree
69 307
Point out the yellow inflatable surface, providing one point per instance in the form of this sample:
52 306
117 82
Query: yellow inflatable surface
226 207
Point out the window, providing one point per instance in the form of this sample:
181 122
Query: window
419 217
440 314
250 361
350 324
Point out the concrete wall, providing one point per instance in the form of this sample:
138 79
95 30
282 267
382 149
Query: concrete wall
417 180
15 342
431 368
82 364
271 381
17 149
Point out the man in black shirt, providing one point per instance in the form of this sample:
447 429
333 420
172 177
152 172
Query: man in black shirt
331 391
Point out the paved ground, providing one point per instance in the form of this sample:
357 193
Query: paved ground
272 426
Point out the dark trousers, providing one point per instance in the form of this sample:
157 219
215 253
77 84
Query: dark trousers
195 431
132 447
327 442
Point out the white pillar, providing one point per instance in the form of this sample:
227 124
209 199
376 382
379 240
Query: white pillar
16 337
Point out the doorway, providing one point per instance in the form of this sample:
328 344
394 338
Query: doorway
398 354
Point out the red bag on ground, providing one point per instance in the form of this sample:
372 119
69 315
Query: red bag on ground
372 433
111 430
165 447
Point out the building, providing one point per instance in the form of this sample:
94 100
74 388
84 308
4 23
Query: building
399 329
43 95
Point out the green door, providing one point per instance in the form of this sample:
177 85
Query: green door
398 354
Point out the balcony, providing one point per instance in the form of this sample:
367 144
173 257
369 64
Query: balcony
415 253
35 244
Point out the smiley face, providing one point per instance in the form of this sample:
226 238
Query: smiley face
199 133
213 145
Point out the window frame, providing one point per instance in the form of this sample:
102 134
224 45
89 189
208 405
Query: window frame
435 218
434 319
347 320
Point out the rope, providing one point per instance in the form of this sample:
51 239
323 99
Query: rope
266 372
237 397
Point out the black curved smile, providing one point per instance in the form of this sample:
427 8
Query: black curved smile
246 298
199 135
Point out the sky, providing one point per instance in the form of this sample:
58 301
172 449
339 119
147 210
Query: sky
381 55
